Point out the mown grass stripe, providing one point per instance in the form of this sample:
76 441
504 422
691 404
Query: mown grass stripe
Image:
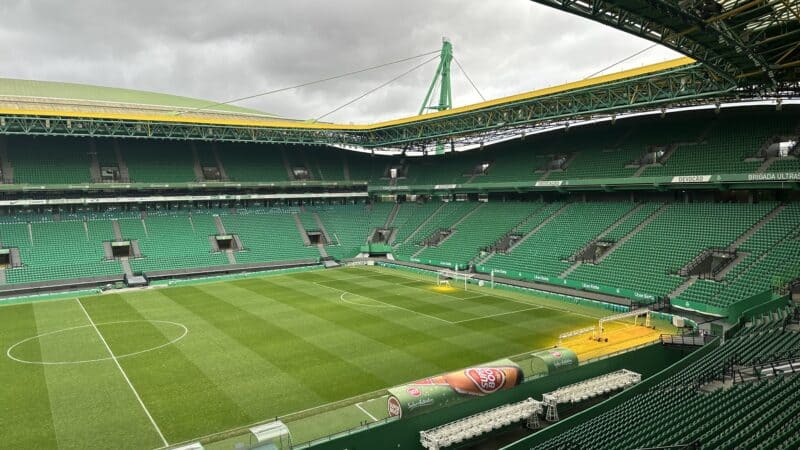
172 386
429 344
254 383
30 426
124 375
88 399
287 349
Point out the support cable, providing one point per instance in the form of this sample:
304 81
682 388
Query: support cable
309 83
378 87
623 60
468 78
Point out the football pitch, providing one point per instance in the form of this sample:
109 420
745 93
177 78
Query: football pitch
156 367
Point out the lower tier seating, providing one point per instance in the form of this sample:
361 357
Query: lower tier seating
651 241
754 415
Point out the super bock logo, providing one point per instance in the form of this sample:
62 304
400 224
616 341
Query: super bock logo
413 391
395 410
487 380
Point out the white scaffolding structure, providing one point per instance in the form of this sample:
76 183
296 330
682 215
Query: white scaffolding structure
635 314
443 277
593 387
588 389
478 424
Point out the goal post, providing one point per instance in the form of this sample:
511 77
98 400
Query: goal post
443 277
636 314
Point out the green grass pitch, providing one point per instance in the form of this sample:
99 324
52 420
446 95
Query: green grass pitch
194 360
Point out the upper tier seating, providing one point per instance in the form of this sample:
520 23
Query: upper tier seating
49 160
252 162
699 143
158 161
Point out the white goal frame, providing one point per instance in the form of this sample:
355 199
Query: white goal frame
443 276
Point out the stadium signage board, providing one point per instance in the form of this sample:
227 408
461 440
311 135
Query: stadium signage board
615 291
691 179
451 388
553 360
550 183
774 176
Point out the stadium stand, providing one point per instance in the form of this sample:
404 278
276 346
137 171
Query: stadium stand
482 228
171 240
443 218
327 164
546 251
70 247
650 241
693 408
693 143
268 234
351 225
410 217
49 160
768 250
154 162
649 259
249 163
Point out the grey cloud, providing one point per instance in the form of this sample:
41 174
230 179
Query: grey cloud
224 50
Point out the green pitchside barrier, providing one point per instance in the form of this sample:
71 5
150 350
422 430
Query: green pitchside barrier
404 433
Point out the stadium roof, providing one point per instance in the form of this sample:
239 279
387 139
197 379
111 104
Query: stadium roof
71 98
736 50
678 82
746 41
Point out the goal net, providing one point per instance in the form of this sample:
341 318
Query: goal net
453 278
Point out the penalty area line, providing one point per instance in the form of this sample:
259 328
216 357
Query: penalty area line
124 375
384 303
499 314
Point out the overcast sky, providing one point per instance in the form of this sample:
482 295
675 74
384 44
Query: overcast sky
225 50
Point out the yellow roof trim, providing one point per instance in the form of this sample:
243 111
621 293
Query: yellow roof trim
365 127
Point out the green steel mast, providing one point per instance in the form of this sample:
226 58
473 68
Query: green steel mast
442 77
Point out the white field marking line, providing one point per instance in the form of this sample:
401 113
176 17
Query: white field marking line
530 305
124 375
499 314
341 297
387 304
409 286
60 363
504 297
358 405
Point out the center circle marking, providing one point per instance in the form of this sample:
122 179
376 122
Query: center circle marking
10 350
